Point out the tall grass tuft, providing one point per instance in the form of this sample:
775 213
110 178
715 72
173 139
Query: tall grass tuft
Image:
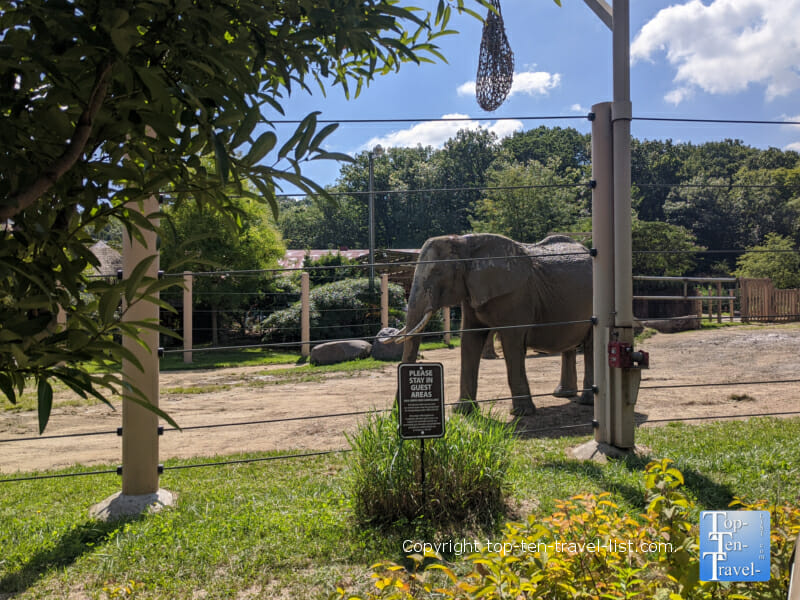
466 472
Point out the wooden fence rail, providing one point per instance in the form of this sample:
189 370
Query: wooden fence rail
760 301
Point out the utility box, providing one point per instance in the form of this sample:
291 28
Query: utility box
622 356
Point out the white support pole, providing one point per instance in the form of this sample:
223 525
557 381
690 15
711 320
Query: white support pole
603 265
305 315
140 469
384 300
624 382
188 317
139 425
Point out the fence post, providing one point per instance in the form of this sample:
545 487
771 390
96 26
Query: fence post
384 300
719 302
140 468
603 266
744 307
187 317
305 315
446 319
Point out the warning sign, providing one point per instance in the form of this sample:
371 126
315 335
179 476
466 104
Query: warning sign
421 400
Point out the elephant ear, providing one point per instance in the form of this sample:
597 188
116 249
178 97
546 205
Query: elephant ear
497 271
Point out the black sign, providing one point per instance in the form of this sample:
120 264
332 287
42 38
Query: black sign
421 399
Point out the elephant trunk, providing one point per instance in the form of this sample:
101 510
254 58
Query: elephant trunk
419 313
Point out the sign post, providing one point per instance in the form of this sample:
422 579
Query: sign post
420 400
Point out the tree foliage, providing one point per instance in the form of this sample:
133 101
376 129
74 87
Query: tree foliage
777 258
530 201
104 104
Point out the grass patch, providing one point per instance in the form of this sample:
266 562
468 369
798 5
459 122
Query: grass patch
287 529
466 472
726 322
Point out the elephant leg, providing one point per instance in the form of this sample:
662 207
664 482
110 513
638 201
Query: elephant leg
587 397
569 375
471 348
488 347
514 353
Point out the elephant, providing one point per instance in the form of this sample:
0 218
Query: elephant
500 283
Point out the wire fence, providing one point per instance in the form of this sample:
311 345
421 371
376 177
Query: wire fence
291 296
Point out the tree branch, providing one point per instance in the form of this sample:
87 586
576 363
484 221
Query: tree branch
74 150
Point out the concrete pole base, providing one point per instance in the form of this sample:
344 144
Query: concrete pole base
121 505
600 452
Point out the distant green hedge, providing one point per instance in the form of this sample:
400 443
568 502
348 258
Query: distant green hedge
339 310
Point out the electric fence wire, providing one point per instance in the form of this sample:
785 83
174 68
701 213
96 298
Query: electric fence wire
450 404
639 423
375 337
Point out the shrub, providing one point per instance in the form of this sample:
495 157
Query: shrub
317 276
466 472
339 310
529 564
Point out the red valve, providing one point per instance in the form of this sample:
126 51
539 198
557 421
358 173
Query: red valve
622 356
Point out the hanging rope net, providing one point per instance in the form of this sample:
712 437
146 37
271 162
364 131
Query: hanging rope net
495 63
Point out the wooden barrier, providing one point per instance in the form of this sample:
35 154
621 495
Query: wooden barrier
760 301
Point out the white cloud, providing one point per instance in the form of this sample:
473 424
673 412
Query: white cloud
793 146
532 83
466 89
577 108
678 95
725 46
436 133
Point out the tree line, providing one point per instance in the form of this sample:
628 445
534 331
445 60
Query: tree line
721 195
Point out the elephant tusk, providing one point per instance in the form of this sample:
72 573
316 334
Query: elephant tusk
403 334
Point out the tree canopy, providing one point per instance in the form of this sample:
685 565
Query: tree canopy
723 196
105 104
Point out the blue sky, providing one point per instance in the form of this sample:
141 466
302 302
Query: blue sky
721 59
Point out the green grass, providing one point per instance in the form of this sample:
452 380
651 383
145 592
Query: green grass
286 528
215 359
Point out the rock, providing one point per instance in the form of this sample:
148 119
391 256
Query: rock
331 353
384 347
673 325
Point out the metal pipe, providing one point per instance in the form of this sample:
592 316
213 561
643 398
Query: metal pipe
603 263
621 124
187 317
371 223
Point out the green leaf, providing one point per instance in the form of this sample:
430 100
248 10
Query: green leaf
322 135
7 387
246 128
265 142
222 159
45 404
133 281
124 39
109 302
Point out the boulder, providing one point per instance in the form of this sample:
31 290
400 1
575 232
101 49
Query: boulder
331 353
384 347
673 325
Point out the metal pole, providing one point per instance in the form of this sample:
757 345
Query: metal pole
305 315
384 300
371 222
603 264
188 317
621 119
624 382
140 425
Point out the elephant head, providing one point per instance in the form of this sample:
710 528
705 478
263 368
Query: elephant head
454 269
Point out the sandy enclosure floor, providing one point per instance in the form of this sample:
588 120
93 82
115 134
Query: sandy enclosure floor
724 356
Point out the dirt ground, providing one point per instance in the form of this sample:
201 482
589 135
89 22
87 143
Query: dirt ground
729 355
